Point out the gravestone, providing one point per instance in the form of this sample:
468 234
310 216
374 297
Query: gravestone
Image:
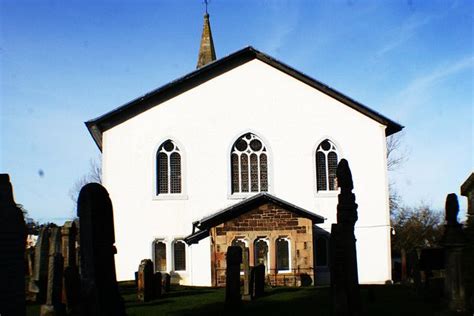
158 284
344 277
12 252
99 289
247 295
72 290
259 285
68 243
167 282
40 268
53 305
232 286
145 280
454 241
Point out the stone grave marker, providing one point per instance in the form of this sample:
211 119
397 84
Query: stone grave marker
40 268
12 252
167 282
232 287
344 275
158 284
145 280
99 289
259 280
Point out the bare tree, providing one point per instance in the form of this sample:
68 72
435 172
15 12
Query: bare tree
397 155
94 175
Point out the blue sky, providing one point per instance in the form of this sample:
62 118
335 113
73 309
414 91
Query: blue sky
65 62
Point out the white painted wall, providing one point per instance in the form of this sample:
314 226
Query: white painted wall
290 116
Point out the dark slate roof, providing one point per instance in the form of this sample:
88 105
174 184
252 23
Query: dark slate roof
243 207
102 123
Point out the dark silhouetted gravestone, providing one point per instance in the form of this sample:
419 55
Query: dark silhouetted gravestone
145 280
40 267
344 277
232 287
12 252
100 294
167 282
158 284
53 305
259 285
72 290
68 243
71 277
247 295
454 241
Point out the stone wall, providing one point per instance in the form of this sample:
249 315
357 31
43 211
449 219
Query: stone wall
270 222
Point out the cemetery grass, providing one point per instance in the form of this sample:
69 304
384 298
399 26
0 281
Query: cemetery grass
376 300
187 300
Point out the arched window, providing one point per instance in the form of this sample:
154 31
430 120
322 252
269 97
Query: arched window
321 249
160 255
179 253
261 252
283 254
168 169
249 164
326 165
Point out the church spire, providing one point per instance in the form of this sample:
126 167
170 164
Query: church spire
207 54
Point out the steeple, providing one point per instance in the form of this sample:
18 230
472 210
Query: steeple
207 54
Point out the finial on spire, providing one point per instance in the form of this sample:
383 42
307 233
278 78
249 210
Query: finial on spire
207 54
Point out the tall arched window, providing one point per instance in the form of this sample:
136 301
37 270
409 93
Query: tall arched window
249 164
160 255
168 169
326 165
179 254
283 254
261 252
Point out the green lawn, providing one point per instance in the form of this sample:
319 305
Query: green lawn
182 300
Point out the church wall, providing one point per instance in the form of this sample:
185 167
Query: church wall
290 117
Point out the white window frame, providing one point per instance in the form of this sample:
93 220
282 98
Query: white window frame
267 241
289 255
268 153
185 256
169 196
340 155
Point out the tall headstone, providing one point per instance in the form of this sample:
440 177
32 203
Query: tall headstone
453 241
344 276
12 252
247 295
467 190
158 284
259 285
100 294
40 268
53 305
167 282
145 280
71 278
68 243
232 287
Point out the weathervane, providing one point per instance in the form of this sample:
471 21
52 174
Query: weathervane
206 3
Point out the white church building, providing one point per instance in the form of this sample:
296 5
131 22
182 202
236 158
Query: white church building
191 165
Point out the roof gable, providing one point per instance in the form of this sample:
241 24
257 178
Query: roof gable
139 105
243 207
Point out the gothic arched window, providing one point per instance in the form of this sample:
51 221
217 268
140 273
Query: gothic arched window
249 164
326 165
179 254
283 254
168 169
160 255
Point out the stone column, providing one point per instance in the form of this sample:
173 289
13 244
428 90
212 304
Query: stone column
232 286
12 252
454 241
344 275
100 294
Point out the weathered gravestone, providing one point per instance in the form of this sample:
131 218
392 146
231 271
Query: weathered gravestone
53 304
453 241
467 190
232 278
100 294
145 280
167 282
12 252
247 295
40 268
72 290
259 280
344 277
71 277
158 284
